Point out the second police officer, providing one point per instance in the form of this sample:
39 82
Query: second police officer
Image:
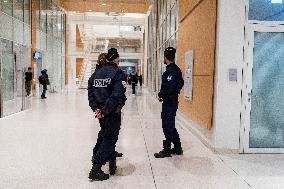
172 83
106 93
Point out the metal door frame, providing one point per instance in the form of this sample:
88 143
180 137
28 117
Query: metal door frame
247 86
1 86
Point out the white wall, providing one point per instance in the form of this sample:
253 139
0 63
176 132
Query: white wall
229 54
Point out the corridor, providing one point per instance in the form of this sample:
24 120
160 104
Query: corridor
50 146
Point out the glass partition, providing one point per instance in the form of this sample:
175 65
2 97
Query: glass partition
51 35
15 52
168 10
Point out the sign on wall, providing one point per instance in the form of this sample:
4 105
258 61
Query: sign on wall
188 77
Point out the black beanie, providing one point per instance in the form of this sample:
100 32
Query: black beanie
112 54
170 53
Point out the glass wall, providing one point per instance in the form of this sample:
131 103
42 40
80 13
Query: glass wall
167 29
15 53
51 42
163 26
151 48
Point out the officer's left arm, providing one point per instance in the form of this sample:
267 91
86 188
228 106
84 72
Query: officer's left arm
169 83
116 96
91 94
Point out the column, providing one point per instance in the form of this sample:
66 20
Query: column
71 57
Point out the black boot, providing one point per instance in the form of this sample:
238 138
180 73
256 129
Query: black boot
97 174
112 167
177 151
117 154
163 154
166 152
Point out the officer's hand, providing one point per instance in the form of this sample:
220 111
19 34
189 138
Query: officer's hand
99 114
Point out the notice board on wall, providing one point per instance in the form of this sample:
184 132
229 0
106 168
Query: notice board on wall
188 76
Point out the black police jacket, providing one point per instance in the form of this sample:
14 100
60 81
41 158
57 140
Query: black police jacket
172 83
43 79
106 89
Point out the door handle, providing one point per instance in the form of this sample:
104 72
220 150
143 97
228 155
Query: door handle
249 97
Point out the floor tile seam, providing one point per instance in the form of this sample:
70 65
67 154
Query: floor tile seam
146 146
217 155
235 171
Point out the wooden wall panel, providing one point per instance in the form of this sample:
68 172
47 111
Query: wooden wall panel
198 32
200 109
79 63
113 6
66 49
79 43
187 5
33 41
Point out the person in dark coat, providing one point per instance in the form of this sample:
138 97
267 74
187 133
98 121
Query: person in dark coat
134 81
172 83
28 81
140 80
129 78
106 95
44 81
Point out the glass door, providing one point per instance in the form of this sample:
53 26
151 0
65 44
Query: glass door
14 60
264 89
7 77
19 92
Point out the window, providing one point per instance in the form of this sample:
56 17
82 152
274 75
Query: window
18 9
266 10
43 15
27 11
7 6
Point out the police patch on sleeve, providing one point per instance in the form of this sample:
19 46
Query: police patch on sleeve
170 78
102 82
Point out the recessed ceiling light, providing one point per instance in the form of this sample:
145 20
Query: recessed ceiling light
90 10
104 4
5 1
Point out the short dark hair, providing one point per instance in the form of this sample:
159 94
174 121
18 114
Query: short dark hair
29 68
170 53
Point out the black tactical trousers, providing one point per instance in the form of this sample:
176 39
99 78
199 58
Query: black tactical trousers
28 86
133 88
44 91
169 110
104 150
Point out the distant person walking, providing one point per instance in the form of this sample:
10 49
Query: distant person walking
44 81
134 81
28 81
140 80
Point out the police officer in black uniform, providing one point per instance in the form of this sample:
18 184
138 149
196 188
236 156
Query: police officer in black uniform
172 83
102 60
106 94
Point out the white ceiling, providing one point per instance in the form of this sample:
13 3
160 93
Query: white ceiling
107 25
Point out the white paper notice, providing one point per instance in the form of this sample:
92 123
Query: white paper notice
188 75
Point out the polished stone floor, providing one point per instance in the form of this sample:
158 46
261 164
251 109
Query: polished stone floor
50 146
